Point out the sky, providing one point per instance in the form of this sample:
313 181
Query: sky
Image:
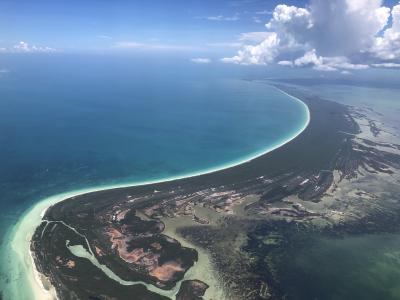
92 25
334 35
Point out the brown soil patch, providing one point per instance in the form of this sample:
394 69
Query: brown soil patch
166 271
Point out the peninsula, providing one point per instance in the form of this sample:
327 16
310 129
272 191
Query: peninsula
223 235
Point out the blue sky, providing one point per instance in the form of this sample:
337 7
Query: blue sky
90 25
334 35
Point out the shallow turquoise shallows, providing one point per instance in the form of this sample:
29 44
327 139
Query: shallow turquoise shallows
68 123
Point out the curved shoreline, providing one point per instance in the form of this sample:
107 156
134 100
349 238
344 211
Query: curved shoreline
21 233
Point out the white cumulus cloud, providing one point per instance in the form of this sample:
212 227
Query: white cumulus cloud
331 63
387 47
263 53
253 36
327 36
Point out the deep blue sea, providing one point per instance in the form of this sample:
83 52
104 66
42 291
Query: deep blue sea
71 122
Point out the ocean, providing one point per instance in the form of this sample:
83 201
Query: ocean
75 122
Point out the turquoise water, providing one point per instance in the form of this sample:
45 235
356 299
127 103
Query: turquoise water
68 123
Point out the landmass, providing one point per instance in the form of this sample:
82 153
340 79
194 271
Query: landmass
224 234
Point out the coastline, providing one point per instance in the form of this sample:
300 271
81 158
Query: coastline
22 232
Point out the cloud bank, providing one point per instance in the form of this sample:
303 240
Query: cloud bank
201 60
222 18
328 36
